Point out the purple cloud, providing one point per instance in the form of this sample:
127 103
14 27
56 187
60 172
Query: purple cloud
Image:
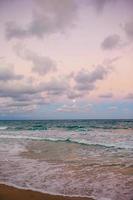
49 17
111 42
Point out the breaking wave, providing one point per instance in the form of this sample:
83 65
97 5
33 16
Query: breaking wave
68 140
3 127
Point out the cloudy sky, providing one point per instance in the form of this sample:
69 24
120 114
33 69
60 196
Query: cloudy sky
63 59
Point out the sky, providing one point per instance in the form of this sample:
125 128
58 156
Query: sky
66 59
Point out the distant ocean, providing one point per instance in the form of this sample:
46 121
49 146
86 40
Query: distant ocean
91 158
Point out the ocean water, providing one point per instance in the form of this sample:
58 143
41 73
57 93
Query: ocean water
91 158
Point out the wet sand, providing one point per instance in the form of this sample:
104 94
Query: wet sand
12 193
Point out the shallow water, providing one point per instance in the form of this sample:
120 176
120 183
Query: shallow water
78 157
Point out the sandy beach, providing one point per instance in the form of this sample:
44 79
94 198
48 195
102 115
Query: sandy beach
66 163
12 193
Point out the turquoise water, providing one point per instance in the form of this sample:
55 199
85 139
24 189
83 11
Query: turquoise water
69 125
70 157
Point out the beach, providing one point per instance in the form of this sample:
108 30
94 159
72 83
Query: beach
66 100
70 158
12 193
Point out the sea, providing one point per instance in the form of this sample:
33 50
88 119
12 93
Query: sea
87 158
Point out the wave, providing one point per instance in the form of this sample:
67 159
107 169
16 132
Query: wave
43 191
3 127
68 140
61 127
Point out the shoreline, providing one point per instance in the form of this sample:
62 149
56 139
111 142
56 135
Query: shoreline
13 193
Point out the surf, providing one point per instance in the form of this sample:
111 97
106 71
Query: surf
67 140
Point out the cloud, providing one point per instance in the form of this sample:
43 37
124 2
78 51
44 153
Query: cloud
107 95
24 95
73 94
55 86
114 41
69 108
7 73
15 89
15 31
129 96
49 17
100 5
41 64
75 107
111 42
86 80
16 92
55 16
19 97
97 4
112 108
27 91
128 28
111 61
84 87
8 106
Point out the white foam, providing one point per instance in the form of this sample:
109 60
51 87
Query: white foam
121 145
3 127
